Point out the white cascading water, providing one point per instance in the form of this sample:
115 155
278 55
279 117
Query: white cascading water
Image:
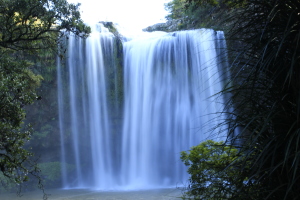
170 80
84 113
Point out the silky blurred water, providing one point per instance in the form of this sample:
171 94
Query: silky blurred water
171 101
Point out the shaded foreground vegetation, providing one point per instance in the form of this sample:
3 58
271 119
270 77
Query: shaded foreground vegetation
29 31
264 104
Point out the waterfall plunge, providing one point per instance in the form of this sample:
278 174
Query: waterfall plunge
169 79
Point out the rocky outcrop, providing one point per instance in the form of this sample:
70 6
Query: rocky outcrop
113 29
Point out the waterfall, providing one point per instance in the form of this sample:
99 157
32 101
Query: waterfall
169 103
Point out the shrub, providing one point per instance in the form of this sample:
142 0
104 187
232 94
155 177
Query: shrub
215 172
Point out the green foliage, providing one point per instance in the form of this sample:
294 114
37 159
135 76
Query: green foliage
215 172
176 9
17 86
194 4
29 24
201 3
27 28
265 95
203 13
264 89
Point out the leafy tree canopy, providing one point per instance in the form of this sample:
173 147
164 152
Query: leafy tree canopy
27 26
24 22
202 13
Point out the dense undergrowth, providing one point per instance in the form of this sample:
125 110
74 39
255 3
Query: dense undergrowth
264 106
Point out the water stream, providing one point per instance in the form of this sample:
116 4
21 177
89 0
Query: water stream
168 104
